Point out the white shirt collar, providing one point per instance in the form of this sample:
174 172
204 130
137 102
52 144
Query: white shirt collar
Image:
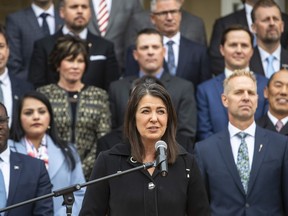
228 72
4 77
38 11
265 54
175 39
274 119
234 130
82 35
5 155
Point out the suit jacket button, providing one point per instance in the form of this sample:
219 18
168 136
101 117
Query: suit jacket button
151 186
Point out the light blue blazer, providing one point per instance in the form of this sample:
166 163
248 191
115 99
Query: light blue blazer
59 174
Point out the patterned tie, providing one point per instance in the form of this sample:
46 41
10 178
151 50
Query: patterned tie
243 161
279 125
1 93
45 27
2 191
171 58
270 70
103 17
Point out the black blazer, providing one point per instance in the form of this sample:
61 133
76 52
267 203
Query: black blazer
102 68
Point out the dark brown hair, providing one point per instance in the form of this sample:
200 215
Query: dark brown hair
236 27
132 134
66 46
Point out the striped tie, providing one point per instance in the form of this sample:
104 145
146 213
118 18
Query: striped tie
103 17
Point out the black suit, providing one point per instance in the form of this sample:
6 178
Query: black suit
256 62
265 122
102 68
238 17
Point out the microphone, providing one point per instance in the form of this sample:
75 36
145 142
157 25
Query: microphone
161 161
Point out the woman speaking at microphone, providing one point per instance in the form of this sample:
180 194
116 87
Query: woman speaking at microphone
150 117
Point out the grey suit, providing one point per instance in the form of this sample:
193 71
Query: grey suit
191 27
121 12
23 30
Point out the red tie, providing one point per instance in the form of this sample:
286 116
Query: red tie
103 17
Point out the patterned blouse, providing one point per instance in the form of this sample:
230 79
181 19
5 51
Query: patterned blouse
92 120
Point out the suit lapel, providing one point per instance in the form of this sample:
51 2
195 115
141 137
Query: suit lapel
227 155
15 173
33 22
93 22
219 87
54 165
260 148
114 10
256 62
182 56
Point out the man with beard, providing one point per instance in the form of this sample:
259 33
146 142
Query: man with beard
269 56
102 68
277 94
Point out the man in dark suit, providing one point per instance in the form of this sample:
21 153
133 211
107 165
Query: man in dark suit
102 68
242 17
184 58
191 27
24 177
24 27
149 53
277 94
268 34
236 48
12 88
244 167
120 12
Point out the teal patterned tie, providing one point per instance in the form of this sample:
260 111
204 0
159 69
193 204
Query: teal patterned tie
243 161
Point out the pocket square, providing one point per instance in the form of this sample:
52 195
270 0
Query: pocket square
97 57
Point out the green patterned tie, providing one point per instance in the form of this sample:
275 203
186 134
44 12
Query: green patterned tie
243 161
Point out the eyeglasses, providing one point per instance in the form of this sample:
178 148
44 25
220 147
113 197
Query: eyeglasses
165 13
3 119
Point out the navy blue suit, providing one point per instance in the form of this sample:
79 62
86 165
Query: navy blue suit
28 179
193 63
212 116
267 189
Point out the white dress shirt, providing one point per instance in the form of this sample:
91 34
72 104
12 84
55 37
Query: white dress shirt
83 34
176 45
5 167
235 141
50 19
7 93
276 62
96 5
274 119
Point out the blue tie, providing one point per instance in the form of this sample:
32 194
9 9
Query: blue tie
2 191
243 161
45 26
171 58
270 70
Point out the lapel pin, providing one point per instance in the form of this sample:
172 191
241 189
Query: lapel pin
16 167
16 97
261 145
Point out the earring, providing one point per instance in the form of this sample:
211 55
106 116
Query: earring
48 127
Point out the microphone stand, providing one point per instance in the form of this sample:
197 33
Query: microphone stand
67 192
